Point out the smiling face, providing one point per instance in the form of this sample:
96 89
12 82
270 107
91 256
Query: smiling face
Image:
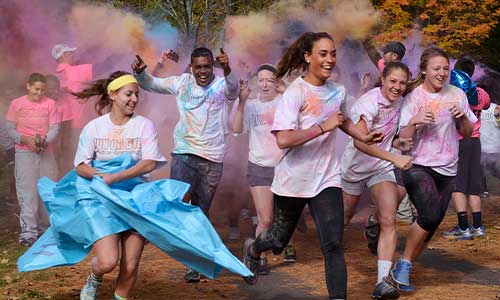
437 73
203 70
394 84
36 90
125 99
266 80
321 61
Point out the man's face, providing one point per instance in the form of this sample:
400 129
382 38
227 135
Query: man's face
391 57
203 70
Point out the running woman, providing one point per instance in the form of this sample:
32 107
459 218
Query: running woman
432 114
33 125
372 167
309 173
118 131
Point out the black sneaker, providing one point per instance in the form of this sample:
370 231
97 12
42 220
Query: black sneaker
192 276
372 232
253 264
290 255
264 267
385 290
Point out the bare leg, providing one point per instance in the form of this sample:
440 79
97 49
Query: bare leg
350 203
132 246
263 201
107 254
385 196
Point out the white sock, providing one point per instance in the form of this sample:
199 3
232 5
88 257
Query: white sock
384 266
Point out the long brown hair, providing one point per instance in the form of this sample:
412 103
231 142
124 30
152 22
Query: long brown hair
293 58
99 89
424 61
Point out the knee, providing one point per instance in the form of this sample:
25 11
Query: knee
387 222
129 268
429 222
332 246
107 264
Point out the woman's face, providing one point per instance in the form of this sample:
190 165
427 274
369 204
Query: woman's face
125 99
266 80
322 59
394 85
437 73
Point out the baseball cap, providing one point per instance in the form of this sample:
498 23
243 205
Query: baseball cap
395 47
59 50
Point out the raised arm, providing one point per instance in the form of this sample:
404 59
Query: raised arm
168 85
239 116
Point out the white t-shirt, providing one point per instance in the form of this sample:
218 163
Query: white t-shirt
102 140
204 112
258 120
379 114
436 145
490 132
306 170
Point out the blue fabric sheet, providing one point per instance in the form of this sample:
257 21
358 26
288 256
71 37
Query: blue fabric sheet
83 211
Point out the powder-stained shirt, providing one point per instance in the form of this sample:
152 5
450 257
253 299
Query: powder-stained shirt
258 119
306 170
102 140
32 117
203 128
436 145
379 114
73 78
483 102
490 132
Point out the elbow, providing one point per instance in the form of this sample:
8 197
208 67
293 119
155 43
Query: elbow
282 141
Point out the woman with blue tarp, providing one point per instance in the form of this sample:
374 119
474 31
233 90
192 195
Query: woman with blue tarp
105 138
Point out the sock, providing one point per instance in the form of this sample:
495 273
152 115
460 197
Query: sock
95 277
462 220
384 266
117 297
406 261
476 219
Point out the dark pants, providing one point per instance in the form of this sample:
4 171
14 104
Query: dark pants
327 211
468 179
430 192
203 175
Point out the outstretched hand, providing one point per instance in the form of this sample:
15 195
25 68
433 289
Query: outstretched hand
138 66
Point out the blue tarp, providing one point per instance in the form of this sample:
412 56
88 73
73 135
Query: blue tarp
83 211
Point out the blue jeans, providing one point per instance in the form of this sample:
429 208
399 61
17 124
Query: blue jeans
202 174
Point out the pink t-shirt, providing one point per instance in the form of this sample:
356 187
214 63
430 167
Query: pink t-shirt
436 145
379 114
31 117
74 79
483 102
304 171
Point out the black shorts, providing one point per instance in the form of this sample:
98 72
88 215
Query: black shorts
468 179
399 176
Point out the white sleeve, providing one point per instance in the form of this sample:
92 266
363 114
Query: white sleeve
86 145
232 86
407 111
364 109
150 148
287 112
169 85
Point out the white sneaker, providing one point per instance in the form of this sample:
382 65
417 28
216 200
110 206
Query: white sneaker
89 290
234 233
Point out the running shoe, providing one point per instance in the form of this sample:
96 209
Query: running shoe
234 233
192 276
457 234
477 232
372 233
27 242
385 290
89 290
290 255
253 264
401 273
484 195
264 266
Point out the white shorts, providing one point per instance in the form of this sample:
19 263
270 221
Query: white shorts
356 188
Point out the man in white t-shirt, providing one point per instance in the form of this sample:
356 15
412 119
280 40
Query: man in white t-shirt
200 136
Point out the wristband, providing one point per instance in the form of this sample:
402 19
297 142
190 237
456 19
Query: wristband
321 128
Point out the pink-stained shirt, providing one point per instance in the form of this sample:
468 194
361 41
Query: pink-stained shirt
74 79
436 145
483 102
305 170
379 114
32 117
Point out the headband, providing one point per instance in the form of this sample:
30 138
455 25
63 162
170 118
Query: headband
120 82
267 67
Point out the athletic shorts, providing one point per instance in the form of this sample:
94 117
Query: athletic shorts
398 173
259 176
468 179
357 188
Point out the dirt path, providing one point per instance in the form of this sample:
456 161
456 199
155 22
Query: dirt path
447 270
